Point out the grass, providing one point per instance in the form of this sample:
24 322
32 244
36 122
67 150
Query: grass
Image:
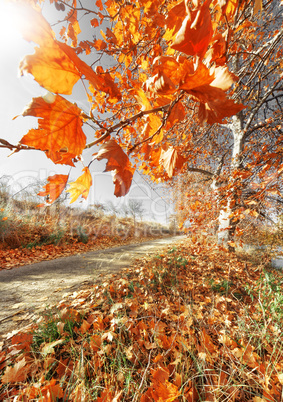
31 234
23 224
192 324
35 228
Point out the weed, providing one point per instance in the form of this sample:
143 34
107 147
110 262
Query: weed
82 236
268 295
222 287
46 332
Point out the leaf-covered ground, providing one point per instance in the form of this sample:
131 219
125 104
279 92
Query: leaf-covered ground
11 258
193 324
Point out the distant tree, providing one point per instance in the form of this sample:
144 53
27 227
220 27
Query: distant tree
136 209
111 207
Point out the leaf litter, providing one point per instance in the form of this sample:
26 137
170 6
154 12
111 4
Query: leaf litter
13 258
192 324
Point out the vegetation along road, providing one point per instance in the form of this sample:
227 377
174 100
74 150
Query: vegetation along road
31 288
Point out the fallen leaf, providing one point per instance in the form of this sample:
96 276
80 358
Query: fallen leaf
17 373
48 348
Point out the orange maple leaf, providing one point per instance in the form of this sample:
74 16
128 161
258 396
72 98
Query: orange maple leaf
195 33
229 7
170 159
118 162
55 65
73 26
217 50
151 127
59 131
122 179
55 187
81 186
191 78
51 391
33 25
18 373
161 391
214 111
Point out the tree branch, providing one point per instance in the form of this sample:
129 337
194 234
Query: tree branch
126 122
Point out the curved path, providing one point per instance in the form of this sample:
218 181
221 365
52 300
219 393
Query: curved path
30 288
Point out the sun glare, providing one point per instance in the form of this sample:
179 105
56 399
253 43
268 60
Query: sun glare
10 20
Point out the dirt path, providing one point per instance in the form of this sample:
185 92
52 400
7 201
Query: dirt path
30 288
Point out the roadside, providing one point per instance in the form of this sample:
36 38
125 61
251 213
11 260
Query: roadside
13 258
29 289
190 322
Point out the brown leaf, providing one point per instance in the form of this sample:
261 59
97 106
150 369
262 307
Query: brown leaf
18 373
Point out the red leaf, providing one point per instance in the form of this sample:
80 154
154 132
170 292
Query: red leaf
55 187
119 162
195 33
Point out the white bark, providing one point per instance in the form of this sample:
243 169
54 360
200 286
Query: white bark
224 219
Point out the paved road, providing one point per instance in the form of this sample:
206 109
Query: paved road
32 287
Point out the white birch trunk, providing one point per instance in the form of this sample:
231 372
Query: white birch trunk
224 219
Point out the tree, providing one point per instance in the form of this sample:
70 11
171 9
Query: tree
244 157
170 98
136 209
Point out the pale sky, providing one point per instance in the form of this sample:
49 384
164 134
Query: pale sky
16 93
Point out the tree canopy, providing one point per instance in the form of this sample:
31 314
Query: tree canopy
172 86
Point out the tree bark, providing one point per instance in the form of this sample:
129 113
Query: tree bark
227 225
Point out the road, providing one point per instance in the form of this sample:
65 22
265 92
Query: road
31 288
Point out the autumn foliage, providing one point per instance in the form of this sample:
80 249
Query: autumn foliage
189 325
170 86
184 62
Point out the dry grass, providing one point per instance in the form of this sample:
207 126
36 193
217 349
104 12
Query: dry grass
25 226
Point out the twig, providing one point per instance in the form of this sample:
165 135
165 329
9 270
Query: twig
12 315
143 377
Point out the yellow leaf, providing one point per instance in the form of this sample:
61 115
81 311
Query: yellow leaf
48 348
280 378
81 186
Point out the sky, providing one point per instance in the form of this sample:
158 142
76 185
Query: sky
29 166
